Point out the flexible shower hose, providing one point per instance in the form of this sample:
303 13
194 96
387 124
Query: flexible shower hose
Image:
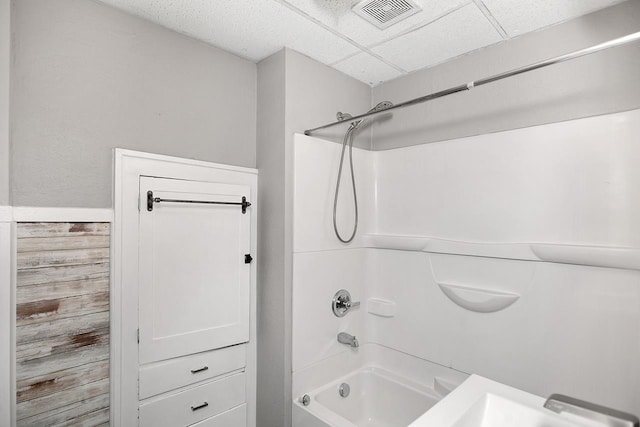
348 138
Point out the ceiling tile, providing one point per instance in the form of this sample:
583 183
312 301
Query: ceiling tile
460 32
367 69
337 14
253 29
328 31
519 17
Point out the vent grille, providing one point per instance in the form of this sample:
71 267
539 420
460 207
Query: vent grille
385 13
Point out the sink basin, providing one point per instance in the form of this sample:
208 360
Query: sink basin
495 411
480 402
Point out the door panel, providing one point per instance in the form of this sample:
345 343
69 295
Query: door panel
194 283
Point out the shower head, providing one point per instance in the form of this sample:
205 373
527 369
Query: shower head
379 107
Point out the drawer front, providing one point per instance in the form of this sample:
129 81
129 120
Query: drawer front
236 417
171 374
195 404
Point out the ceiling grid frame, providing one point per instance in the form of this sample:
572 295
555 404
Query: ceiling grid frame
331 33
422 25
487 13
356 44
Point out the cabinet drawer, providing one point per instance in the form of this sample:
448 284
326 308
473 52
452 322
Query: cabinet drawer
168 375
236 417
195 404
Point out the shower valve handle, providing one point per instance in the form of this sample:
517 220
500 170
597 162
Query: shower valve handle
352 304
342 303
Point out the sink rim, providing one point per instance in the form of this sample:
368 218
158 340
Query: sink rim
452 409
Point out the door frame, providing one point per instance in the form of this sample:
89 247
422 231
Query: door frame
128 167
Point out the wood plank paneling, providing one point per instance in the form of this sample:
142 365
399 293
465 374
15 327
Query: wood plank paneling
53 309
54 382
61 344
67 326
27 260
69 273
35 367
62 243
96 418
67 412
61 290
62 318
58 229
53 401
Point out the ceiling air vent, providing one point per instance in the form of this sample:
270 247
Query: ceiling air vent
385 13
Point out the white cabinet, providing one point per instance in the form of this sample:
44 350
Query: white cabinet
194 282
194 299
236 417
185 293
194 404
160 377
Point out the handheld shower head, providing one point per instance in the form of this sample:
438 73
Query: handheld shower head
379 107
348 138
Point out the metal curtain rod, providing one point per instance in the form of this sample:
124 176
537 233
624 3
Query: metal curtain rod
573 55
244 204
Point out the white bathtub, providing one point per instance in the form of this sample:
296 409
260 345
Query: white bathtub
378 398
388 389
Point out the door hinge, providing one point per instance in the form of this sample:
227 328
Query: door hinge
138 335
248 258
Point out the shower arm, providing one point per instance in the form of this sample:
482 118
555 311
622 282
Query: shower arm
558 59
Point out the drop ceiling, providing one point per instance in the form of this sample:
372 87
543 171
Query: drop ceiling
329 32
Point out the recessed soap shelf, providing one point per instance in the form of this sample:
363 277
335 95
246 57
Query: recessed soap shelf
478 300
381 307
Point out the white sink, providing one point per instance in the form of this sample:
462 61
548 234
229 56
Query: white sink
480 402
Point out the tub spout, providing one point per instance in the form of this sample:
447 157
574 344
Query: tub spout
345 338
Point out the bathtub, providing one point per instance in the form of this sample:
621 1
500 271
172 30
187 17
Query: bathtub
378 397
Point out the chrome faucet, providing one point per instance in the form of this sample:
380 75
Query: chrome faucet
345 338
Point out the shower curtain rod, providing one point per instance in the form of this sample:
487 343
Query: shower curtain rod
573 55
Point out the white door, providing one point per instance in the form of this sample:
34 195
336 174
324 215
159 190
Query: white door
194 281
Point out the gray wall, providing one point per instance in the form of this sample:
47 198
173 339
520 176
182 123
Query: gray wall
271 404
87 78
602 83
315 93
5 55
293 93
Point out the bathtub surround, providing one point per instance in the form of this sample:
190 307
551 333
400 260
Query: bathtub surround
561 183
114 80
452 223
598 84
